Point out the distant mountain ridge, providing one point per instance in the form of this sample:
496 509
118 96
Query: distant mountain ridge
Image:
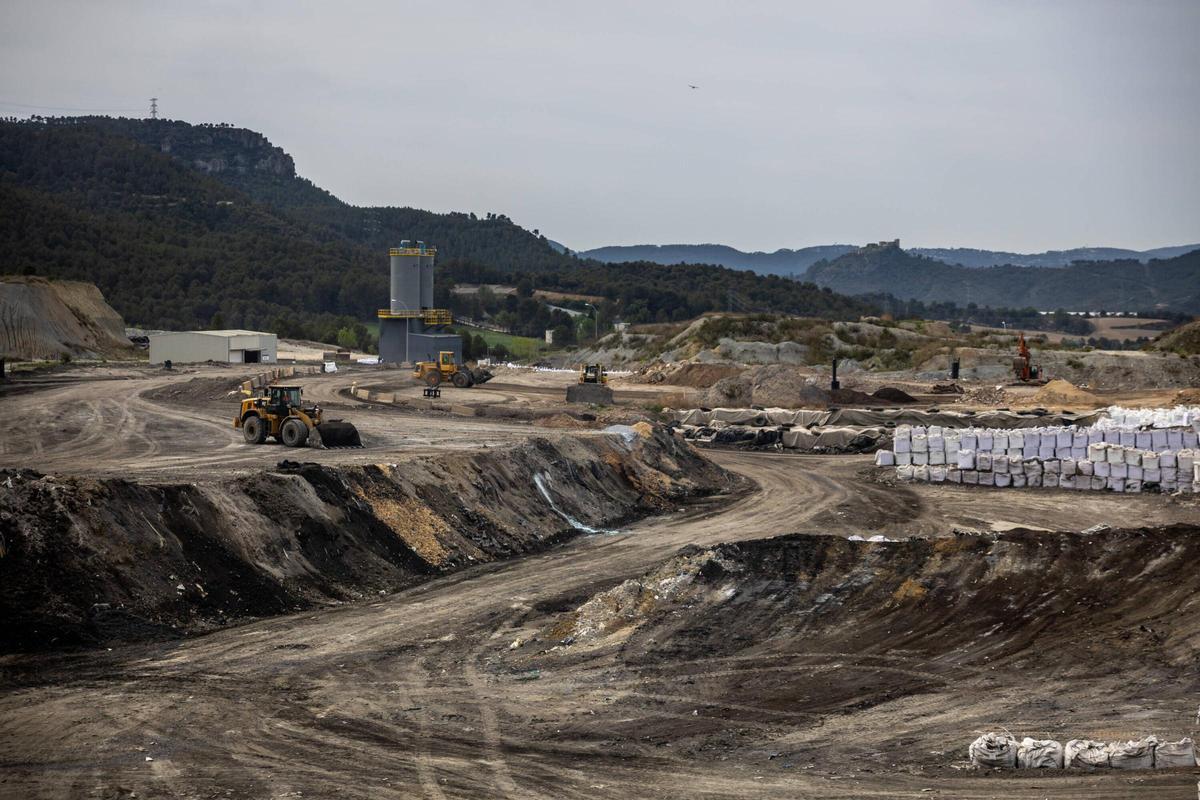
1170 283
796 262
780 262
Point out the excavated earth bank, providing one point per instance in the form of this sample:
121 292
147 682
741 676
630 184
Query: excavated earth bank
870 656
85 561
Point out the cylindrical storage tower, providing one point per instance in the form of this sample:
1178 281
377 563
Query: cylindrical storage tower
406 280
427 278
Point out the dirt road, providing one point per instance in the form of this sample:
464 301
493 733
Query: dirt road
455 689
412 695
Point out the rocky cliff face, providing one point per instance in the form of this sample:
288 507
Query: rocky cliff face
212 149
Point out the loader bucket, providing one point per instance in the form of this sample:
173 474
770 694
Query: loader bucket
481 375
336 433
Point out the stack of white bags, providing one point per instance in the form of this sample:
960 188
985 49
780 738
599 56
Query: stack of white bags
993 750
1124 452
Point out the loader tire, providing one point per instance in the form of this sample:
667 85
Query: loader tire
294 433
254 429
433 378
462 380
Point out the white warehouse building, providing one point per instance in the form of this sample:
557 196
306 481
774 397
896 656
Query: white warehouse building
230 347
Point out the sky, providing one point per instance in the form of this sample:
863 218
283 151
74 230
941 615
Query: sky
1018 125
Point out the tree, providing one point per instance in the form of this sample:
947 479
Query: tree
346 339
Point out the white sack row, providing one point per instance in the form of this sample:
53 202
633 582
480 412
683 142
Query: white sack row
1177 417
1001 750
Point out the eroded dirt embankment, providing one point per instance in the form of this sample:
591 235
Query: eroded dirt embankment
899 652
87 561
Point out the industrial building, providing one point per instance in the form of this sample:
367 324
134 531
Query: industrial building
410 328
232 347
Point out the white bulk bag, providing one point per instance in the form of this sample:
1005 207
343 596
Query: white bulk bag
902 445
985 441
1166 460
1116 484
1133 457
969 440
1067 467
1101 469
1185 458
1174 440
1158 440
1051 465
885 458
1133 486
983 461
1002 479
1118 471
1095 436
1097 452
1135 473
1066 481
1039 754
1144 440
1085 753
920 443
1016 440
1150 460
1050 480
936 443
970 476
1191 439
921 473
953 476
1150 475
904 473
1018 481
902 459
937 474
1079 438
1133 754
1000 464
993 750
920 459
1085 467
1063 438
937 456
999 441
1098 484
1034 480
1128 439
965 459
1112 437
1031 466
1045 453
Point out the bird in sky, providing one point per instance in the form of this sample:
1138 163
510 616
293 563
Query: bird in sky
690 86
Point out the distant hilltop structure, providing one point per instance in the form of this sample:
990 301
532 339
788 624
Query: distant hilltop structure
883 244
410 328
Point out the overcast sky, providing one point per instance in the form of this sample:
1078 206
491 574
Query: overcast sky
1004 125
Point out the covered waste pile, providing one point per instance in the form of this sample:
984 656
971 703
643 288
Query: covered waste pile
1000 750
1125 452
839 430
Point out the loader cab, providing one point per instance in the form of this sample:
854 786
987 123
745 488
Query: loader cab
281 398
446 361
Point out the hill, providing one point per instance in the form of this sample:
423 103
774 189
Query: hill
185 226
781 262
797 262
1184 340
42 320
1172 283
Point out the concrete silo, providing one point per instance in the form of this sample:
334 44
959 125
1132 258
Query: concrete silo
410 328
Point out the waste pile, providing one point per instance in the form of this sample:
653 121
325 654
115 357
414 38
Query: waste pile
1127 450
1000 750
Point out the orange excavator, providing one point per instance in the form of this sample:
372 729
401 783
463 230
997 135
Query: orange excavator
1023 367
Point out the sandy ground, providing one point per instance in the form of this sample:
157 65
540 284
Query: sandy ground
417 695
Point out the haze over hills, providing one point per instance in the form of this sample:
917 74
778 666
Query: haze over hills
797 262
1171 283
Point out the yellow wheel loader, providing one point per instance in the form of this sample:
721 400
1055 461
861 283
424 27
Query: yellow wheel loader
279 412
446 368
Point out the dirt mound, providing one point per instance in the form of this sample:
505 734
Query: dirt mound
770 385
564 421
1060 392
891 394
100 560
198 389
696 375
849 638
45 320
1186 397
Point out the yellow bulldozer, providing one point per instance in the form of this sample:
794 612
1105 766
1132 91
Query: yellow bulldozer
447 368
280 412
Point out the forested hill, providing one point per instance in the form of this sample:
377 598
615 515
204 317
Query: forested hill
1172 283
186 226
795 263
781 262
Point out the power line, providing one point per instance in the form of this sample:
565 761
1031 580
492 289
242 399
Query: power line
62 108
